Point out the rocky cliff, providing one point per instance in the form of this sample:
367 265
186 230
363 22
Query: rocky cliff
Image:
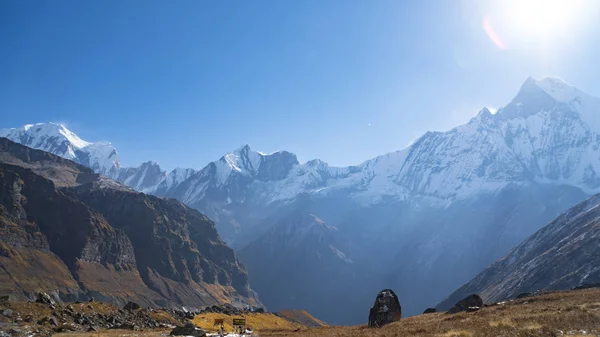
71 232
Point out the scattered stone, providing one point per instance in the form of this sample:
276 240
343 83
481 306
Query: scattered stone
92 299
131 306
467 302
472 309
7 313
44 298
92 328
188 330
429 311
386 309
28 319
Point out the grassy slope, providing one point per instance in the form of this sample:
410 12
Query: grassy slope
574 313
302 317
258 322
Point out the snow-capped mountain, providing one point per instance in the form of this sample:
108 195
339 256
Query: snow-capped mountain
55 138
426 218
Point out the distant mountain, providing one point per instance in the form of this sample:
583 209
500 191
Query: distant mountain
562 255
422 220
77 234
57 139
294 258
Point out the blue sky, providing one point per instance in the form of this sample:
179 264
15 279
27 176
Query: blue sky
183 82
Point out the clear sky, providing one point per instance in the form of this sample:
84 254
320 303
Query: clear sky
183 82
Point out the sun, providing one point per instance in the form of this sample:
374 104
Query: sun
510 22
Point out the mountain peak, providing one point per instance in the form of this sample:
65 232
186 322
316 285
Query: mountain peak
243 148
57 139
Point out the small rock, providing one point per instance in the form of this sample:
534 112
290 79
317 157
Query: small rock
429 311
28 319
7 298
7 313
472 309
53 321
188 330
92 328
131 306
469 301
92 299
44 298
523 295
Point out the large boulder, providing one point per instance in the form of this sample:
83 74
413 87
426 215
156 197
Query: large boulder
471 301
386 309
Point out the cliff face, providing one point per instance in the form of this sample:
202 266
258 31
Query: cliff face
68 231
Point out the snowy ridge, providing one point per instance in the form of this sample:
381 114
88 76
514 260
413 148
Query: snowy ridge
546 135
57 139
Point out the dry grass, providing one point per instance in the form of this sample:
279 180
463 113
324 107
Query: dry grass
256 321
573 313
302 317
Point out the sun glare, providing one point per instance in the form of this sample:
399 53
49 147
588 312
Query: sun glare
540 22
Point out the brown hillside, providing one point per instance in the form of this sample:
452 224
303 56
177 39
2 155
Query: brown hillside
574 313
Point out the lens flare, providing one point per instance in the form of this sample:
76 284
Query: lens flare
491 33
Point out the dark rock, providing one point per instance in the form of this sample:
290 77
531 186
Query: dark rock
131 306
127 326
429 311
92 328
28 318
69 327
188 330
44 298
7 298
92 299
260 310
7 313
52 321
464 304
586 286
523 295
386 309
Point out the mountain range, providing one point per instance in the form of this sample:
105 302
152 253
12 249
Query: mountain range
423 220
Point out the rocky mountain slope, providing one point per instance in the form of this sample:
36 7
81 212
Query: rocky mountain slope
561 255
299 254
426 218
76 234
